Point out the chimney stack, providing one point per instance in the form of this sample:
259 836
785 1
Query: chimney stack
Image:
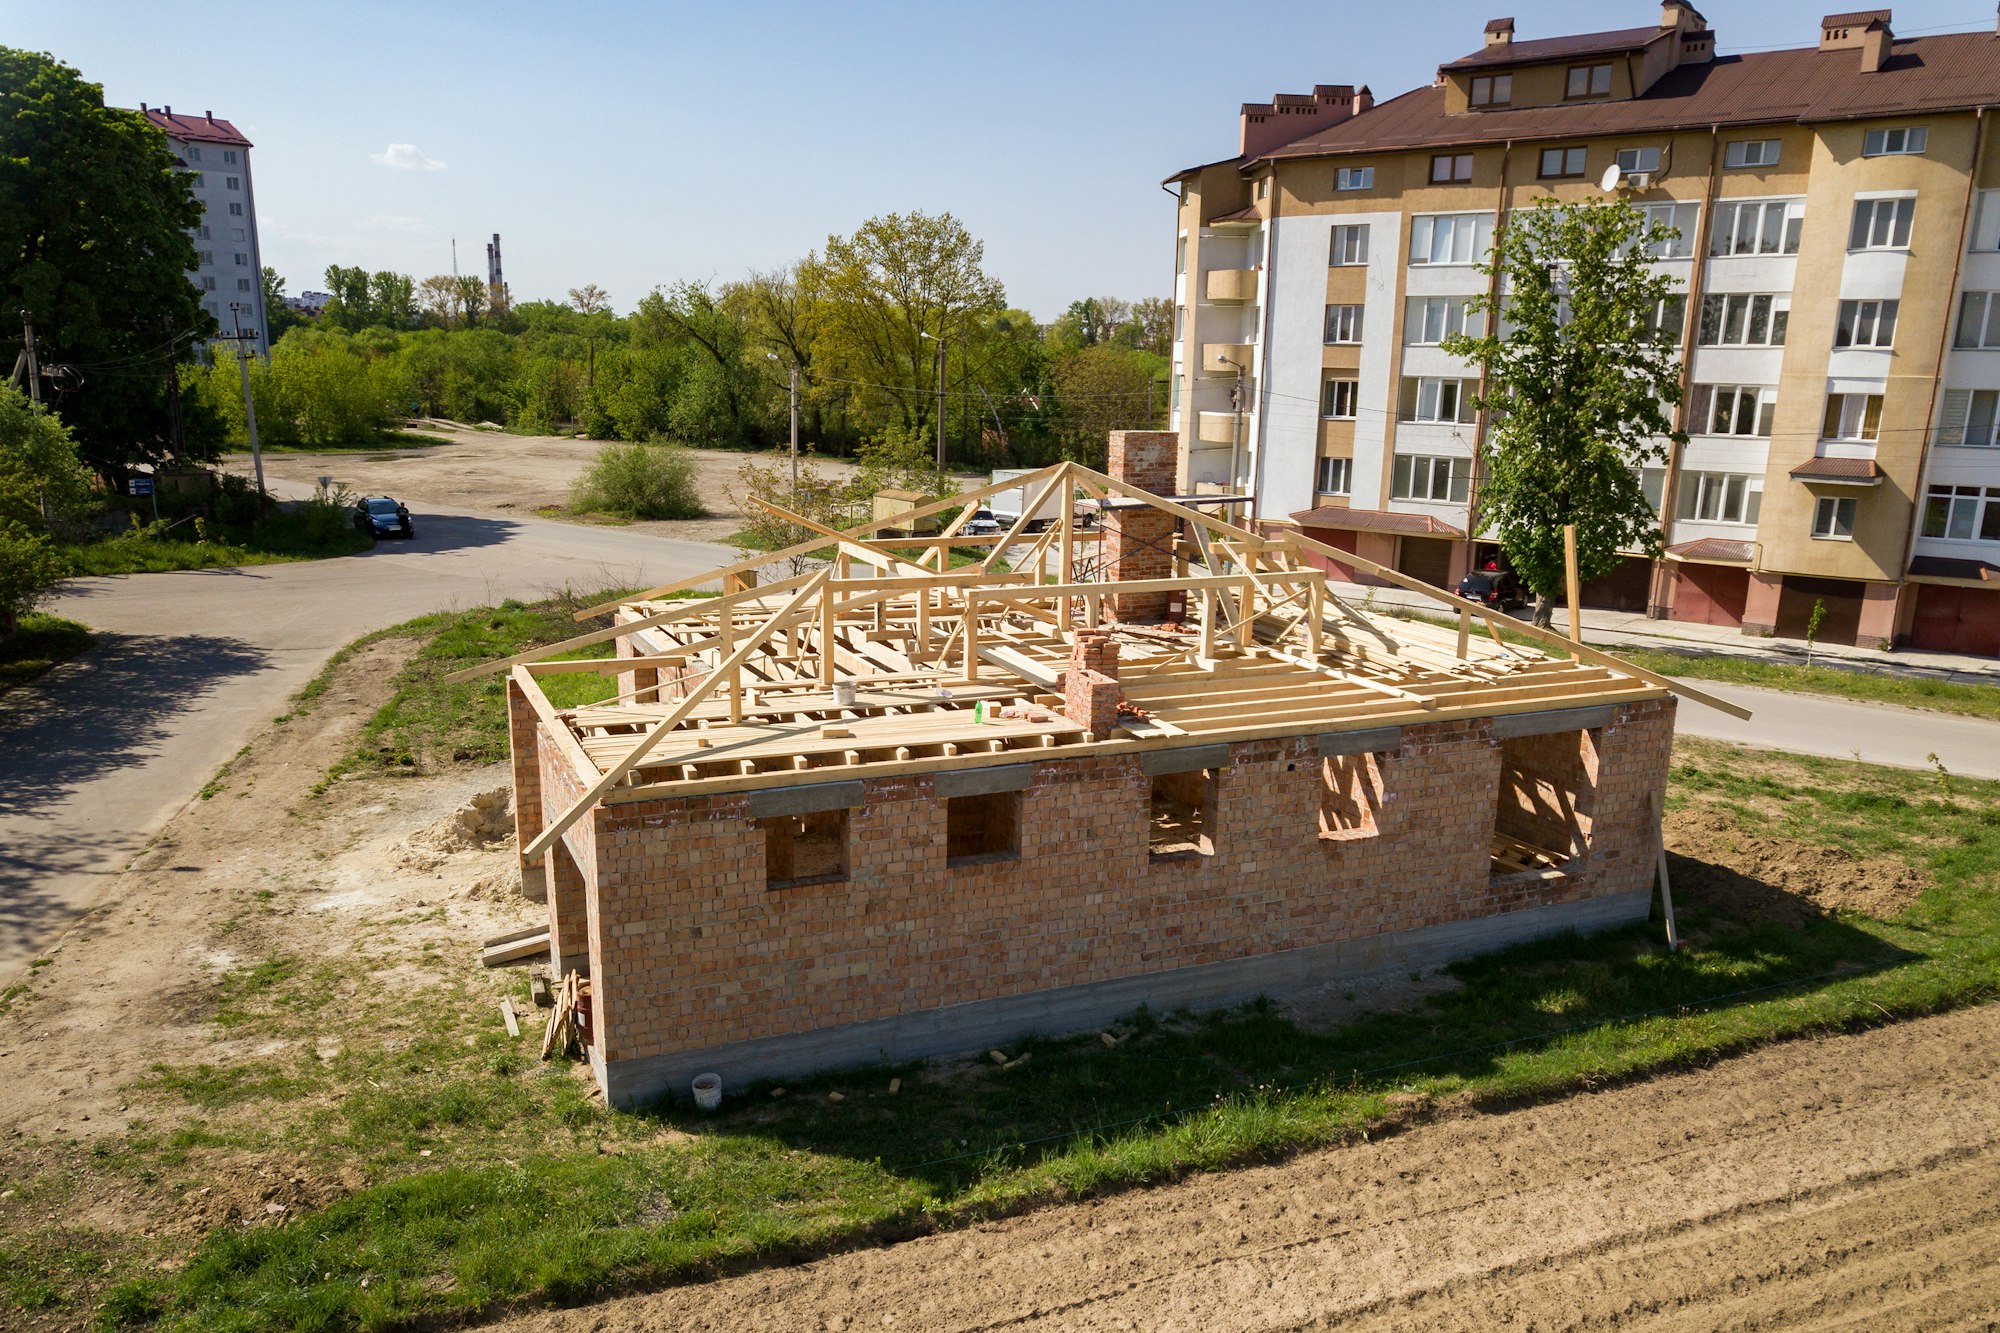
1500 32
209 116
1876 40
1848 32
1364 99
1291 116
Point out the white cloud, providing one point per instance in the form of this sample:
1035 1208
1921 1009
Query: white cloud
406 157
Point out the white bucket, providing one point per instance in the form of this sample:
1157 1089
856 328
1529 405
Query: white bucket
708 1091
843 694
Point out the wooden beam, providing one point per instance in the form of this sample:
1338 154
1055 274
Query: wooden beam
867 552
1027 517
1570 582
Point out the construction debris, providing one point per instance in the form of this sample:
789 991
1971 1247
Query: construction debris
508 1016
517 947
565 1034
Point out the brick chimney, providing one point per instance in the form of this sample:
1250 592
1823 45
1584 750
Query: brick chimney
1876 39
1682 17
1090 686
1847 32
1291 116
1364 99
1500 32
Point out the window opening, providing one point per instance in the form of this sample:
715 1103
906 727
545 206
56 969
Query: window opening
1183 814
982 828
805 849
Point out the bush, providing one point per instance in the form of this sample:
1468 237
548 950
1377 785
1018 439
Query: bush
638 481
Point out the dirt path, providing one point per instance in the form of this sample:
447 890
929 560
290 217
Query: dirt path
1852 1182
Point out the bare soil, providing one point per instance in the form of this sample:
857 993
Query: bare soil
1847 1183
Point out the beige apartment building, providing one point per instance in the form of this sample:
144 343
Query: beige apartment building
1839 211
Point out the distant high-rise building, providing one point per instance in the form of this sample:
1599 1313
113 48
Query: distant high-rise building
229 265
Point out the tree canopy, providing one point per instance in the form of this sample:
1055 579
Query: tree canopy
42 481
94 223
1580 384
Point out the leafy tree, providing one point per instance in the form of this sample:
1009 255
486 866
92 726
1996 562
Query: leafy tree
1099 390
589 298
279 318
94 223
1580 386
42 481
349 307
392 300
437 299
814 495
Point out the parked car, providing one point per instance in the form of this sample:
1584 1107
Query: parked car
983 524
1497 588
380 516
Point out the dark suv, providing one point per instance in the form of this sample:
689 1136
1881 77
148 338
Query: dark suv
1497 588
380 516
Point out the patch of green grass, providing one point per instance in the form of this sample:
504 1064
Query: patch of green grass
213 787
1966 699
213 1087
281 538
533 1192
40 642
388 439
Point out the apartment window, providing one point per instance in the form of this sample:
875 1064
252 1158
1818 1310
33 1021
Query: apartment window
1731 409
229 157
1451 167
1751 153
238 234
199 180
1350 245
1180 252
1493 90
1986 227
1450 238
205 256
1719 497
193 153
1745 320
1420 477
1680 219
1852 416
1588 81
1343 323
1336 476
242 259
1885 143
207 282
1978 321
232 182
1866 324
236 210
1429 399
805 849
243 284
1429 320
1963 513
201 232
1653 485
1632 160
1180 323
1970 417
1881 224
1666 321
1339 398
1354 178
1833 520
1558 163
1758 227
981 828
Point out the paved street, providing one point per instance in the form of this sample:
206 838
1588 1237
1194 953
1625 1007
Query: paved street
100 754
1842 729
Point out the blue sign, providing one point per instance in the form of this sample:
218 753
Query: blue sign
141 485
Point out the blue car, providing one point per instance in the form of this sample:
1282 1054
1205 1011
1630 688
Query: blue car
380 516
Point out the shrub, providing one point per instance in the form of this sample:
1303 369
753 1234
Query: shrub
639 481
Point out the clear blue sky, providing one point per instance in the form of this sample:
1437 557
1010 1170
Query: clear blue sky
633 144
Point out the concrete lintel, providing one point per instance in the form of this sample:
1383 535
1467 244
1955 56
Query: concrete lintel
959 1029
1373 740
1159 763
1556 719
984 781
770 802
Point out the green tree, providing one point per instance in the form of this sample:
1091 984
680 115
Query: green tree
1579 384
1098 390
392 301
94 223
349 307
279 318
42 482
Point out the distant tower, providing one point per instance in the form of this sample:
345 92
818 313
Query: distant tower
496 286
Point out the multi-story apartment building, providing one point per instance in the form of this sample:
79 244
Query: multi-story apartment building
229 265
1839 211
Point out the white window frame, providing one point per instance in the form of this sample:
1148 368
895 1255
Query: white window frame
1740 313
194 152
1740 153
1718 409
236 210
1431 479
1980 506
1847 417
1436 395
1986 227
1729 237
1682 216
1460 238
1334 476
1866 324
1970 418
1637 161
1977 328
1900 139
208 282
232 182
1429 320
1339 394
243 284
1344 323
1350 245
1354 178
1734 498
1499 90
1882 223
1833 518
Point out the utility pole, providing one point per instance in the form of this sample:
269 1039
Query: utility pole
940 392
34 366
795 427
174 433
249 404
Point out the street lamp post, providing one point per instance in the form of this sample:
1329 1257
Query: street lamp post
795 418
249 404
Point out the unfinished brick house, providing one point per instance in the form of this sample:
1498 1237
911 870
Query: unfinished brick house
886 810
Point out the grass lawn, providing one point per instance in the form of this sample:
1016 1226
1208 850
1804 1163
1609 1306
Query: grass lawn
492 1179
38 643
1964 698
388 439
282 537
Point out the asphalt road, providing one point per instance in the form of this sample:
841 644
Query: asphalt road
1842 729
98 755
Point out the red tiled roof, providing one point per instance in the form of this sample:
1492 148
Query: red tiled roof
1715 551
1376 520
1939 567
1855 18
1952 71
1859 471
196 129
1557 48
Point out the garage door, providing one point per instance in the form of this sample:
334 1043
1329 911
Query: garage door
1711 594
1426 558
1626 588
1956 620
1842 621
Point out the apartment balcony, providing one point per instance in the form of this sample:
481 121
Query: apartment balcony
1226 358
1216 427
1230 284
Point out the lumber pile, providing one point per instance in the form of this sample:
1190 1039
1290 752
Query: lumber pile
515 947
564 1036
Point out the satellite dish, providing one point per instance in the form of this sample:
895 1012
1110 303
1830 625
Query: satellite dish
1612 176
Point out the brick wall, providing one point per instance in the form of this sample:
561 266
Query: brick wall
690 950
1139 541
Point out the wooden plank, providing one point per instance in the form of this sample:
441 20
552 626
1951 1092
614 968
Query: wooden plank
499 955
1666 881
1570 582
508 1016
